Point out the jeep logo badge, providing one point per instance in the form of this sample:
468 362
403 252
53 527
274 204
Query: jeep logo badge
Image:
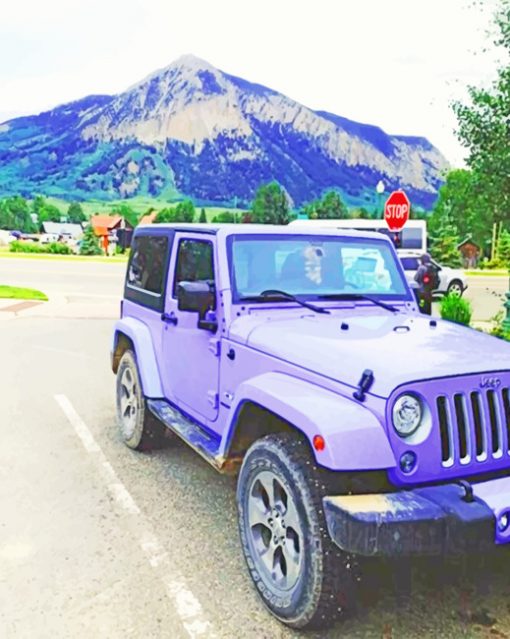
490 382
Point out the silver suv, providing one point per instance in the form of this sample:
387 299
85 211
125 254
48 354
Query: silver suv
451 281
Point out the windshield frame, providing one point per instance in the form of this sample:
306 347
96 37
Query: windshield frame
319 297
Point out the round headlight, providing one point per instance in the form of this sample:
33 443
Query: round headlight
407 414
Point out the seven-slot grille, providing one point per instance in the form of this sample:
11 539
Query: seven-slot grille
474 426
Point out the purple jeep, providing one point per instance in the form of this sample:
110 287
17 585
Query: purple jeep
298 360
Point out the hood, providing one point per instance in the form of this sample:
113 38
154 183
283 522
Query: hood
397 348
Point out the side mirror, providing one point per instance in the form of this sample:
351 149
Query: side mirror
195 297
198 297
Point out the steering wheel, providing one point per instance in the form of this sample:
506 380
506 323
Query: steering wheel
352 284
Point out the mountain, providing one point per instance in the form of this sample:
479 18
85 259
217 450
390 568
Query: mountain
190 129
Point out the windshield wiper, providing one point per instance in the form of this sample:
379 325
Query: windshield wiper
359 296
287 296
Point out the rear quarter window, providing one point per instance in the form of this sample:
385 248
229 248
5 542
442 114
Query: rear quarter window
146 275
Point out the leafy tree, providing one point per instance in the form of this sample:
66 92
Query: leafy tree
203 218
166 215
183 212
15 215
484 128
50 213
75 213
271 205
127 212
90 242
360 214
226 217
45 211
330 207
461 200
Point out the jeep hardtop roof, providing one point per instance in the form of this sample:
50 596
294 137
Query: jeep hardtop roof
250 229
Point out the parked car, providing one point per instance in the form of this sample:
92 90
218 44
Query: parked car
452 281
356 426
48 238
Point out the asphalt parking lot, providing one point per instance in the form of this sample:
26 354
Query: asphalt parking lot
97 540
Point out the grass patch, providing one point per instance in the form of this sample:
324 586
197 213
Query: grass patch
116 259
16 293
487 273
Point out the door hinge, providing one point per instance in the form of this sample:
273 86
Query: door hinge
212 398
215 346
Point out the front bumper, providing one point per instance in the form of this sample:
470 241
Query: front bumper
433 520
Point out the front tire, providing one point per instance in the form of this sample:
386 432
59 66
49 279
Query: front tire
455 288
139 429
301 575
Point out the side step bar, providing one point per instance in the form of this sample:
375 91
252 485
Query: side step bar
205 444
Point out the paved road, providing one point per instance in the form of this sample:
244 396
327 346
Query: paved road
99 541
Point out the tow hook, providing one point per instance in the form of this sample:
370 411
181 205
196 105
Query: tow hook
468 494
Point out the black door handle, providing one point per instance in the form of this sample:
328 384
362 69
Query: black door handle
169 317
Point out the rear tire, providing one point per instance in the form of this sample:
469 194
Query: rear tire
138 427
304 579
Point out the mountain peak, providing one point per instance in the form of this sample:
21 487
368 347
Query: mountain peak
191 62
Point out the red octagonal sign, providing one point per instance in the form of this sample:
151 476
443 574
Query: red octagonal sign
396 210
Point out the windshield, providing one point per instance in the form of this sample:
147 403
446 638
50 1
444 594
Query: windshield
313 266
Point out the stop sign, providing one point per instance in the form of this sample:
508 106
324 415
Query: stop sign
396 210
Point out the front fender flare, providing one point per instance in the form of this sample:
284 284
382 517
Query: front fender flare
355 439
140 335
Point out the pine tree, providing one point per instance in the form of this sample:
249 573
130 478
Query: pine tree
503 248
203 218
444 243
90 242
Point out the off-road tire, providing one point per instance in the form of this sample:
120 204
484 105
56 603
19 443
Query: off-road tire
141 431
326 586
455 285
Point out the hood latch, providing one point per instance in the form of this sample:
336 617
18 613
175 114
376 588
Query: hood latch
364 385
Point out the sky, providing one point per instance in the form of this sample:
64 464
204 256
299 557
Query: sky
396 64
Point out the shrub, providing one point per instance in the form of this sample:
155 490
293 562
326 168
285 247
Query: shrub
32 247
58 248
456 309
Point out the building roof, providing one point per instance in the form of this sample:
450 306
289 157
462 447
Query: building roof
468 240
105 221
60 228
103 224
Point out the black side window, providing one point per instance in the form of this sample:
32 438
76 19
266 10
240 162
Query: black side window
194 262
145 281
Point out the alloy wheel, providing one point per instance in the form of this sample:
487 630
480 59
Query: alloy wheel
128 403
275 531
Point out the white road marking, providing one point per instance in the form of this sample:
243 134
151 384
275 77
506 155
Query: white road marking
187 606
87 439
122 496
